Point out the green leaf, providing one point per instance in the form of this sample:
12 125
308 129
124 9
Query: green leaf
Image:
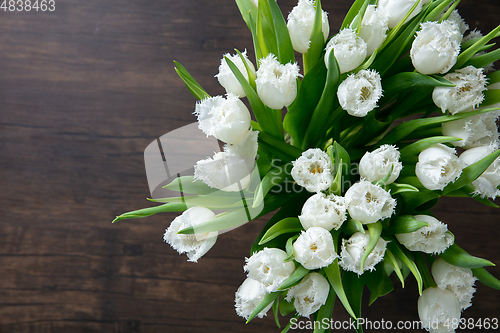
325 106
484 60
289 248
491 97
226 220
493 77
166 208
394 247
268 299
297 276
486 278
316 41
374 230
450 10
415 148
397 188
208 201
342 166
352 226
437 10
255 39
378 282
351 14
265 29
275 312
187 184
472 50
250 72
262 113
285 226
275 176
456 256
333 275
407 80
424 271
353 285
247 10
389 258
472 172
190 82
403 224
285 50
325 312
281 145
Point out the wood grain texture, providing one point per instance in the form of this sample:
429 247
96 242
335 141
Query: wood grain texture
83 91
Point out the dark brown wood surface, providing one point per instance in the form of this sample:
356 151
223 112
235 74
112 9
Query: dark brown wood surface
83 91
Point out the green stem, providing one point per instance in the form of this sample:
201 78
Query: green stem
424 271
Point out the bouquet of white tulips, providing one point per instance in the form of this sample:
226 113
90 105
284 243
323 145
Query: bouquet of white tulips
352 145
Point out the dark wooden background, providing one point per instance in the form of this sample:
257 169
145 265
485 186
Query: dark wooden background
83 91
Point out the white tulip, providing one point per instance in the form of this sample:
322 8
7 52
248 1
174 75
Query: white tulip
226 77
354 248
438 166
248 296
489 181
349 50
374 28
438 309
436 47
369 203
300 25
195 246
310 294
397 10
459 21
358 94
313 170
276 83
314 248
466 95
475 131
457 279
377 164
328 212
246 148
434 238
268 268
228 119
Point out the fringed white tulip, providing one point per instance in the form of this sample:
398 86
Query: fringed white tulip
396 10
195 246
246 148
276 83
320 210
226 77
436 47
300 25
354 248
487 184
475 131
466 95
268 268
248 296
438 309
358 94
314 248
310 294
459 21
313 170
227 119
457 279
374 28
369 203
349 50
434 238
377 164
438 166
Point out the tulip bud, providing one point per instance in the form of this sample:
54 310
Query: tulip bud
358 94
438 309
375 165
300 25
195 246
313 170
438 166
268 268
436 47
369 203
456 279
467 93
374 28
228 119
487 184
328 212
314 248
248 296
475 131
310 294
353 250
397 10
431 239
349 50
276 83
226 77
